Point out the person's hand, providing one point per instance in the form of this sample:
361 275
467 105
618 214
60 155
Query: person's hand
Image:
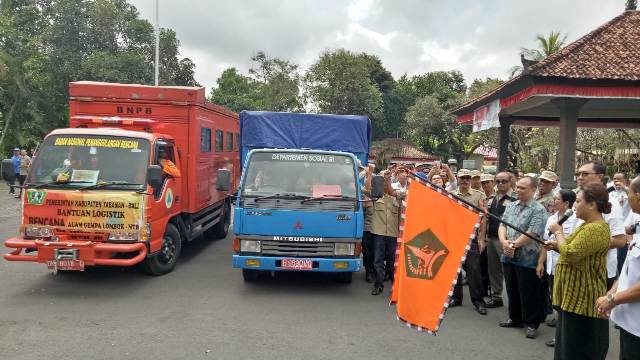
604 307
508 249
540 270
555 228
550 245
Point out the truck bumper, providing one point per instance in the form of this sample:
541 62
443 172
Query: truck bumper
91 253
319 264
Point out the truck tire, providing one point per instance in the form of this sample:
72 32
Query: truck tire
344 277
220 230
250 275
164 261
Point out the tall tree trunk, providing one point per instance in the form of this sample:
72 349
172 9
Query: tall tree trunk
7 122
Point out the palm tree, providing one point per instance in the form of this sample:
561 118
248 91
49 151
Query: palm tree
546 46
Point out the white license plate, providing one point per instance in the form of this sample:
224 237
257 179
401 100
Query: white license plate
77 265
297 264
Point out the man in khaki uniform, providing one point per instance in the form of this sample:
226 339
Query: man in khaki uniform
548 181
475 180
384 229
472 263
488 185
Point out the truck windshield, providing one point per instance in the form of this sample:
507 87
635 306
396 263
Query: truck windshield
85 160
305 174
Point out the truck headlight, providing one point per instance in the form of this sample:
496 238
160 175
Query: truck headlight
250 246
121 236
345 249
37 232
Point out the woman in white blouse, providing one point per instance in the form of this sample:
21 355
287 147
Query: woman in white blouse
563 201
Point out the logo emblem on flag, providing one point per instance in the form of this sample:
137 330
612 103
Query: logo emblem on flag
424 255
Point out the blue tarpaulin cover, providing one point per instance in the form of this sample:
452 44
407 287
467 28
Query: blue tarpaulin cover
262 129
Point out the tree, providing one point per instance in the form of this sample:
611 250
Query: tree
546 46
20 24
236 92
339 83
435 129
479 87
278 81
45 44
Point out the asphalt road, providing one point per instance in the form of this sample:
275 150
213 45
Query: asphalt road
204 310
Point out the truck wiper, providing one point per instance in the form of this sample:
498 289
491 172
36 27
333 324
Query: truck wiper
281 196
328 197
57 183
105 184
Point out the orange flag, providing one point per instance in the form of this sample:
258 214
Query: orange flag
435 235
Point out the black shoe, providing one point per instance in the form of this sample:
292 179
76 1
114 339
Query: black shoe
493 303
377 290
510 324
531 333
551 343
454 302
481 309
552 322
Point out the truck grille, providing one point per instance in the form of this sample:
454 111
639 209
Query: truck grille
280 248
284 204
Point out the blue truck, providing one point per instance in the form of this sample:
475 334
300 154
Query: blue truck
299 207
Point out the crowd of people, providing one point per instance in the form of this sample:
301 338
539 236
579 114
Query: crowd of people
569 258
21 162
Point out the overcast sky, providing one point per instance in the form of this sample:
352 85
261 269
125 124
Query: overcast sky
480 38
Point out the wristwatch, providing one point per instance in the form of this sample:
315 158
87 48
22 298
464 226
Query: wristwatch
611 300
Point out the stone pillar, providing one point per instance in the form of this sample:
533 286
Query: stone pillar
503 144
568 110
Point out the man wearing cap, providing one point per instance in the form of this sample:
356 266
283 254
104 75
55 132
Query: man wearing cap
472 261
548 181
488 185
15 162
475 180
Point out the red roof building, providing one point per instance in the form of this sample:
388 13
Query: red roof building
398 151
592 82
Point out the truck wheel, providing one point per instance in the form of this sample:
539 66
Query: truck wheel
344 277
250 275
220 230
165 260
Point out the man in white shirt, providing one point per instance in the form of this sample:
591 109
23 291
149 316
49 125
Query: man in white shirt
591 172
622 302
401 184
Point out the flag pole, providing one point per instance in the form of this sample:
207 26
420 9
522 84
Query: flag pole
476 208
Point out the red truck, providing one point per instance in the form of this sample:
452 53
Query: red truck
105 191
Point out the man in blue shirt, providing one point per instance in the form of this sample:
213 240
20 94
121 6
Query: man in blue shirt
15 161
525 290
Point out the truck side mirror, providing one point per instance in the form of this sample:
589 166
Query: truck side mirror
223 180
154 176
377 186
7 170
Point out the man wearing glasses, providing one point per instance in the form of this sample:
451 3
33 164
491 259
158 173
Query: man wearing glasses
496 205
591 172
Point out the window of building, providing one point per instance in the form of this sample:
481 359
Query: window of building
205 140
219 144
229 141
